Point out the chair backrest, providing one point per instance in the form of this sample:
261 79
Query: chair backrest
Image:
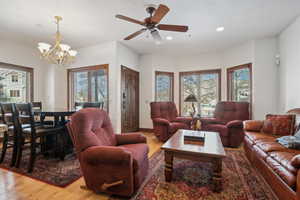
228 111
37 105
92 105
91 127
24 115
88 105
165 110
7 113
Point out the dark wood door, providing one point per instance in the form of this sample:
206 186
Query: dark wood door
129 100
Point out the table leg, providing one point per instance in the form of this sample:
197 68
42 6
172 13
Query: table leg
168 166
217 175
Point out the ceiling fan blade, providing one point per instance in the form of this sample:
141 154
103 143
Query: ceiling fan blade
167 27
160 12
130 19
155 35
135 34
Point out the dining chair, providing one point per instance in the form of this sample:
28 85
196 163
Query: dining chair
93 105
9 136
33 135
79 105
37 106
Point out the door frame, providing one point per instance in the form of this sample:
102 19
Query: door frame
137 95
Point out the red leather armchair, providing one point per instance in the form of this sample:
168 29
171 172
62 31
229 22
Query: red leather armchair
110 163
166 121
228 121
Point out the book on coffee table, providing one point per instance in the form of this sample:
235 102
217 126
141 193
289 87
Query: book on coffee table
194 135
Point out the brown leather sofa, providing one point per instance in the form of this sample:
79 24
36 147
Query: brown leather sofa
110 163
228 121
279 165
166 121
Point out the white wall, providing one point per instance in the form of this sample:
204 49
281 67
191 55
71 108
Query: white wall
289 45
18 54
261 53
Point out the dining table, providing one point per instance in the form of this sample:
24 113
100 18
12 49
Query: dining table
59 117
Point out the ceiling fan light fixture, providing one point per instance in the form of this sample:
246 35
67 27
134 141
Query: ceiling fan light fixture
220 29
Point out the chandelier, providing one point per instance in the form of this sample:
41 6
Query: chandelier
60 54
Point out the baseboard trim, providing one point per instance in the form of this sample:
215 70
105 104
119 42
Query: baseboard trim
148 130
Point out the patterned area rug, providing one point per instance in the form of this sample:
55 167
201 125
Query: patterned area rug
49 170
192 180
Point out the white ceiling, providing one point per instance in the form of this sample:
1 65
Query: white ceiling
89 22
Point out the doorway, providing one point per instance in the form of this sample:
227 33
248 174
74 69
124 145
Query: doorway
129 100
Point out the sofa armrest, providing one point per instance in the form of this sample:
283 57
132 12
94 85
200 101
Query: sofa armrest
235 124
210 121
131 138
295 162
186 120
106 155
253 125
161 121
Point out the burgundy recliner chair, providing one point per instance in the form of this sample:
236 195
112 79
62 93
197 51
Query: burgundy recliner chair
228 121
165 120
110 163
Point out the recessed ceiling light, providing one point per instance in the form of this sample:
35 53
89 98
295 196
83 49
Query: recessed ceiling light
169 37
220 29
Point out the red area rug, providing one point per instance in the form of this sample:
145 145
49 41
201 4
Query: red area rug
192 181
48 170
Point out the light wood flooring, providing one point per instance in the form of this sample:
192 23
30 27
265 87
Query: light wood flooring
16 187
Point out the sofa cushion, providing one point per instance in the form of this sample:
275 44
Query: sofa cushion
284 158
279 124
288 177
257 136
269 146
174 126
253 125
139 154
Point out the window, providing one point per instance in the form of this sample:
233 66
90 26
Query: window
14 78
16 83
205 85
239 83
88 84
15 93
164 86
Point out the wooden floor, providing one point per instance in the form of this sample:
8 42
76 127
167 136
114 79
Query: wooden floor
14 186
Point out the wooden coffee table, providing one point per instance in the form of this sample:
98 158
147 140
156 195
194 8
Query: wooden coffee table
211 150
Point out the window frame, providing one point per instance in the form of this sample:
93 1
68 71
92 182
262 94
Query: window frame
70 84
30 97
209 71
171 75
230 70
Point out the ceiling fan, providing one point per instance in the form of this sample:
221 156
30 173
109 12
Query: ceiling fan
151 23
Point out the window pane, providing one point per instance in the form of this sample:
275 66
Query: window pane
99 87
80 86
89 85
164 87
14 85
240 85
205 87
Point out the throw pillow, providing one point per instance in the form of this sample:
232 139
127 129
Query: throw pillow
279 124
